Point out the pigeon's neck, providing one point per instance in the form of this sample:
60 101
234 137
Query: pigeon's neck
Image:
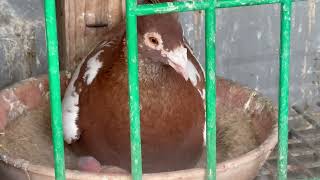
152 71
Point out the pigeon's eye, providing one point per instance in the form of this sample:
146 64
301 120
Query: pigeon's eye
154 41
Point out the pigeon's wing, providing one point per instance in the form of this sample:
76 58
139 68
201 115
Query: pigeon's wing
85 74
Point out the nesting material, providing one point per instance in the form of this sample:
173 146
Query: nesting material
29 137
235 134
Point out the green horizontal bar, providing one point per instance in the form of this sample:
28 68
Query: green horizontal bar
162 8
171 7
238 3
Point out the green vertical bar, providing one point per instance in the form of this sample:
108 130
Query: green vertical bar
54 83
133 80
284 89
210 36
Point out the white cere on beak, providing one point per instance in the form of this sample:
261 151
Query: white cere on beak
178 59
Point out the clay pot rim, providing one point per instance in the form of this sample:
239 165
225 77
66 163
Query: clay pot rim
262 149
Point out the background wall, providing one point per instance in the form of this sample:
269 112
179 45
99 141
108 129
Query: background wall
22 40
247 45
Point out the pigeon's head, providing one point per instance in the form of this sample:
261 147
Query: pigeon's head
161 40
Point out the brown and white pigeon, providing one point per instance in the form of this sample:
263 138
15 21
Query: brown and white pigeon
95 104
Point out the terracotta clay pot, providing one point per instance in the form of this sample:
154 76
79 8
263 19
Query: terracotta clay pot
29 94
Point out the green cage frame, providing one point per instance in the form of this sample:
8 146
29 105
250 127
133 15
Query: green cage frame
132 11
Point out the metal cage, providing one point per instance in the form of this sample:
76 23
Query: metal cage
132 11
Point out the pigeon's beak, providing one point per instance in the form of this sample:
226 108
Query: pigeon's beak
178 60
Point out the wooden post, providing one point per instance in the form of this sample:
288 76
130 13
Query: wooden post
81 23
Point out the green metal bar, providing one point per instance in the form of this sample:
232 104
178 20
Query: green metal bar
210 42
210 6
238 3
54 86
162 8
284 89
133 82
